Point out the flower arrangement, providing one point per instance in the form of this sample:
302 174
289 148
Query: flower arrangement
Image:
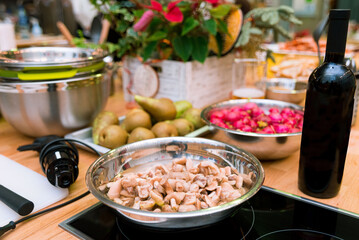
189 30
179 30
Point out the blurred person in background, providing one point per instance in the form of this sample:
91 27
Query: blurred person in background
52 11
84 13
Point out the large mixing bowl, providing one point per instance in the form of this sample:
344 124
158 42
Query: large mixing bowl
263 146
157 150
53 107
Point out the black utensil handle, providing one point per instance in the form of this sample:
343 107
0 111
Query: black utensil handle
16 202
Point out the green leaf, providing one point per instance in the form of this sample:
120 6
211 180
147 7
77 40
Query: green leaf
112 47
243 39
154 24
281 31
183 4
157 36
211 26
126 14
81 34
244 36
115 8
255 12
123 4
188 25
246 26
122 26
79 42
123 47
121 52
266 16
221 11
138 13
200 49
274 18
295 20
147 51
255 31
286 9
219 41
269 55
132 33
183 47
222 26
129 17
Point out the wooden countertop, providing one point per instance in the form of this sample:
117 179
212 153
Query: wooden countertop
280 174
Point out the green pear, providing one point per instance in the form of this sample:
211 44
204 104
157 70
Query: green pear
134 119
135 110
113 136
102 120
183 126
164 129
194 116
139 134
160 109
181 107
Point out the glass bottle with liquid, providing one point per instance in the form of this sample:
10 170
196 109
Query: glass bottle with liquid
328 115
248 78
23 25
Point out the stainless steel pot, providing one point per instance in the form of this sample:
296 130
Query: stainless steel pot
150 151
53 107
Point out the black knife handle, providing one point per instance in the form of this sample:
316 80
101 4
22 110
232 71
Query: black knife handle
16 202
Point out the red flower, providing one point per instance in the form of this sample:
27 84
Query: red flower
155 6
173 13
213 2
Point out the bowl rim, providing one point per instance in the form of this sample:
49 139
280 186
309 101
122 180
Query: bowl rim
233 102
94 56
211 210
289 91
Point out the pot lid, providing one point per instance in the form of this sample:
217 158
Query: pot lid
50 57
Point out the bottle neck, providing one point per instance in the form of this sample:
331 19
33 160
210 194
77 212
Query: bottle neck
335 57
337 36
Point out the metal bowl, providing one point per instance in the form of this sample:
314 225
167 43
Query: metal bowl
286 89
263 146
53 107
152 151
41 58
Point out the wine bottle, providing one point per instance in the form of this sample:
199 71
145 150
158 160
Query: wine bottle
328 115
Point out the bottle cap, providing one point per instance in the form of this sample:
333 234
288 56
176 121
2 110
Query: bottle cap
339 14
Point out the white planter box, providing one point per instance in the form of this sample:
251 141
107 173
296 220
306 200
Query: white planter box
201 84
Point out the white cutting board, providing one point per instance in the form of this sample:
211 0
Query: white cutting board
28 184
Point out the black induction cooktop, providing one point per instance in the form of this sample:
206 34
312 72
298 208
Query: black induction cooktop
270 214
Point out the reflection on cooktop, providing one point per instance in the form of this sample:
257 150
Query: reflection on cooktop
267 215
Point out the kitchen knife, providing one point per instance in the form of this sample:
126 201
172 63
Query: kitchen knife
16 202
